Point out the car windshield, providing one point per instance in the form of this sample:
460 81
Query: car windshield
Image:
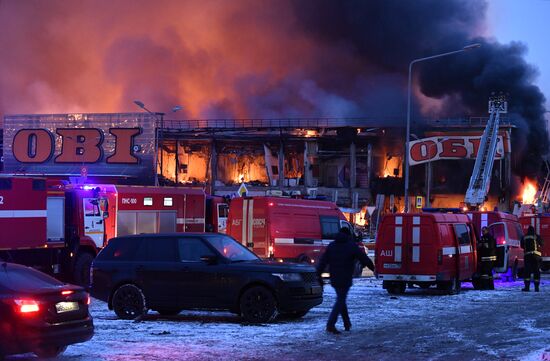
231 249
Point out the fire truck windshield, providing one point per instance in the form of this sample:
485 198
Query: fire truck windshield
231 249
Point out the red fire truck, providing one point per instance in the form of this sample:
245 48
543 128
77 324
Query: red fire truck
541 223
425 249
285 228
59 228
506 229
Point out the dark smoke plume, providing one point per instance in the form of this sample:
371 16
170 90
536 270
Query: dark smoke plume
388 34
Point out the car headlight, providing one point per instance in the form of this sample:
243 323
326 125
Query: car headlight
288 277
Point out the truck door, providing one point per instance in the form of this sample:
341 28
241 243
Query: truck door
499 231
420 252
223 212
465 253
94 225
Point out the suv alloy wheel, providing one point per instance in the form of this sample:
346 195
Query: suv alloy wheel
129 302
258 305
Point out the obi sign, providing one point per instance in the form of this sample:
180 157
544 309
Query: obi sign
77 145
64 144
449 147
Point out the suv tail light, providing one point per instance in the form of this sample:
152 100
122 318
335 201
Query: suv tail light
440 257
27 306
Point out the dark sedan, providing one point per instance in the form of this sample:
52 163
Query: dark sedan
172 272
39 313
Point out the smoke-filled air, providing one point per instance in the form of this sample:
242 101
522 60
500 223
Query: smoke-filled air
264 59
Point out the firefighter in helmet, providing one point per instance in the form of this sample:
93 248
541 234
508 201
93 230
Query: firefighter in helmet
532 246
487 247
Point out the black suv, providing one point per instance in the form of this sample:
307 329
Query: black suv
172 272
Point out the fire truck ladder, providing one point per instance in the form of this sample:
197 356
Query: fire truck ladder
480 180
543 195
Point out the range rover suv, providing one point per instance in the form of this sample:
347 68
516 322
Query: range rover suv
169 273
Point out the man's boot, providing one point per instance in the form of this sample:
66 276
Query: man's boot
537 283
526 288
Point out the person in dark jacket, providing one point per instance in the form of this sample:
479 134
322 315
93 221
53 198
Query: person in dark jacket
532 250
340 257
487 248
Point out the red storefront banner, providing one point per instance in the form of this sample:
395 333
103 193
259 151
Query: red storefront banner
449 147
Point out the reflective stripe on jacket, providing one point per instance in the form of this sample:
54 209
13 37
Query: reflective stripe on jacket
531 244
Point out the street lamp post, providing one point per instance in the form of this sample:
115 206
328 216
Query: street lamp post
157 120
408 131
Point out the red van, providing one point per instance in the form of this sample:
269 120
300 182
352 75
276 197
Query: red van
541 222
425 249
285 228
506 228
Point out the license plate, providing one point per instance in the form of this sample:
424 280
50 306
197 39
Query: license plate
392 265
61 307
316 290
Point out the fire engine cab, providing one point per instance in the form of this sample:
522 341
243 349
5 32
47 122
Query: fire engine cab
425 249
541 223
59 228
285 228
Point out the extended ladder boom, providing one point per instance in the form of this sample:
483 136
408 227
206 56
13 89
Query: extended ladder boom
481 175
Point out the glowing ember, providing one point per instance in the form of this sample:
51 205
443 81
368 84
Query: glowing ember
528 193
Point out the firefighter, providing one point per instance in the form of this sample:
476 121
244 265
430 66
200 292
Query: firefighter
532 246
340 256
487 254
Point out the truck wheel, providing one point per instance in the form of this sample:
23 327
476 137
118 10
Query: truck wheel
453 286
81 272
476 283
258 305
544 267
129 302
396 288
50 351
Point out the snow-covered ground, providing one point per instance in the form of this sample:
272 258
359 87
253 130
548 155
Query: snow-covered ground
504 324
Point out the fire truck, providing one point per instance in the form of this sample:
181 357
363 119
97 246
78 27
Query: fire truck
59 227
425 249
541 223
450 237
285 228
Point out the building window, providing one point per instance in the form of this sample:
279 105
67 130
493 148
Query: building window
168 202
148 201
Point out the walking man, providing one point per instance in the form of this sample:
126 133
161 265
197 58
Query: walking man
532 248
487 248
340 257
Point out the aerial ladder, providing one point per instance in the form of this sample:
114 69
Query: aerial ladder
480 180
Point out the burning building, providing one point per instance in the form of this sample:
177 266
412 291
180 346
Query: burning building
357 167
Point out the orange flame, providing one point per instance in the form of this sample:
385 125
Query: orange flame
529 192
